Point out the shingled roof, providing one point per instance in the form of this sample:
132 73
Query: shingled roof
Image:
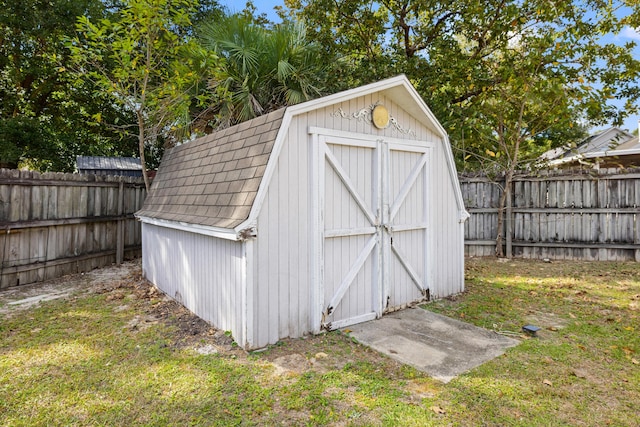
101 165
213 180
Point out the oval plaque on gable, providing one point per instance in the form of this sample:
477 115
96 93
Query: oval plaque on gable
380 117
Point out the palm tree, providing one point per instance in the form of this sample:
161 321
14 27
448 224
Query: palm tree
262 69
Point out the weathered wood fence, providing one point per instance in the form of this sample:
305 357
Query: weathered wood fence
53 224
589 215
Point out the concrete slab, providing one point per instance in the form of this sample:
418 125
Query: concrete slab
440 346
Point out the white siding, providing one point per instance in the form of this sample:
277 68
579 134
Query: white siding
447 244
203 273
283 264
281 270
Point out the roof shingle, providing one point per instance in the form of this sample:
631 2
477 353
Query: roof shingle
107 163
213 180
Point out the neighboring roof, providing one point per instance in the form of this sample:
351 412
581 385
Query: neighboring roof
611 147
605 140
629 145
107 163
213 181
605 159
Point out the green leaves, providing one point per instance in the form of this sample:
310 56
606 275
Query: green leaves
477 62
142 60
262 69
38 91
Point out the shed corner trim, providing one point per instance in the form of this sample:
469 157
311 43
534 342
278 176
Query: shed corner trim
251 221
463 216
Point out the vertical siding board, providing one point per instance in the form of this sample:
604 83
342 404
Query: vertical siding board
286 193
298 162
196 269
274 284
447 272
262 277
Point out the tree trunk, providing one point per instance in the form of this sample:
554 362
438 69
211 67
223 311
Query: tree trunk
506 193
141 139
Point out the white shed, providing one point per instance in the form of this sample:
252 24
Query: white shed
315 216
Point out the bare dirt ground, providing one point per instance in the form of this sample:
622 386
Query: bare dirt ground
23 297
124 284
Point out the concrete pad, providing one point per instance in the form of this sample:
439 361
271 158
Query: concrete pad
440 346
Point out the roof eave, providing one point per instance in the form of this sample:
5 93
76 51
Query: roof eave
221 233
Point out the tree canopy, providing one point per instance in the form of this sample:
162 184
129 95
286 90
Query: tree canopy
262 69
507 78
43 111
146 64
465 55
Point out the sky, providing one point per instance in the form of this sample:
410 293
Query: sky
263 6
628 34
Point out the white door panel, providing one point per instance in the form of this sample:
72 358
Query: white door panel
371 226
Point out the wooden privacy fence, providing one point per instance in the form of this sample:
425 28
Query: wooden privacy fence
589 215
53 224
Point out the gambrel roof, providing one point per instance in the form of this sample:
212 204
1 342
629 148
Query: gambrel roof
213 181
215 184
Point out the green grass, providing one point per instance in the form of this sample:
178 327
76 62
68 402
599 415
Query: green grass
79 362
581 370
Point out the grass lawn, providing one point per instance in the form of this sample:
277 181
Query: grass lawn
124 355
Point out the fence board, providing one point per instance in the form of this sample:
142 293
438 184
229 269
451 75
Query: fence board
54 224
559 214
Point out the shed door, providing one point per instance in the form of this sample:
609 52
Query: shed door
405 263
372 226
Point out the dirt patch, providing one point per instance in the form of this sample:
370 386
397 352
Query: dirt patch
191 332
100 280
123 283
290 363
124 287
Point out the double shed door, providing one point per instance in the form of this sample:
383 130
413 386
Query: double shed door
372 224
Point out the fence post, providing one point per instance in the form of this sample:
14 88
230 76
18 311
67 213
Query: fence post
120 225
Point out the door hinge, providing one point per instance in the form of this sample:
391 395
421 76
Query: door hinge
323 324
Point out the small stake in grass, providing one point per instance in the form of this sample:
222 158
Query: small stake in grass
531 330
